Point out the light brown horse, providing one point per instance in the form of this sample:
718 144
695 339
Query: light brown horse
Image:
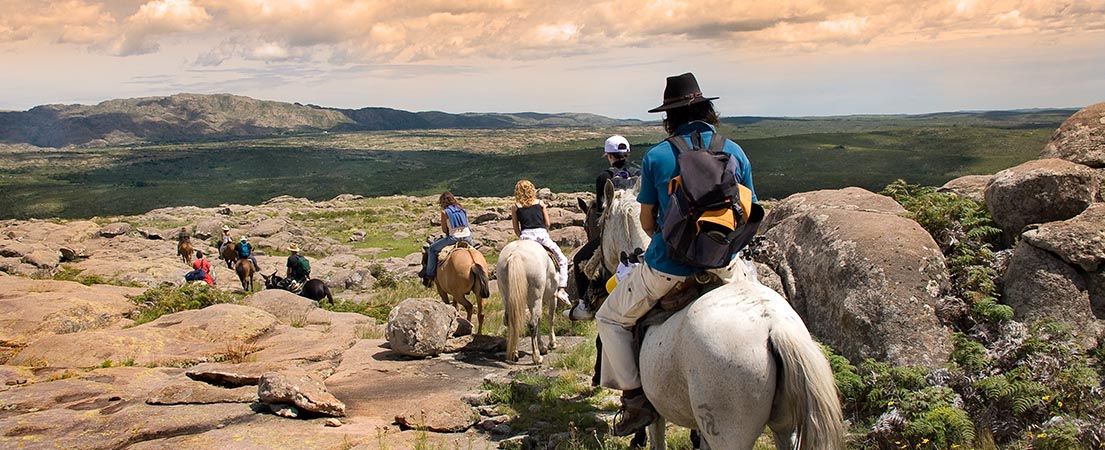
244 269
464 271
184 249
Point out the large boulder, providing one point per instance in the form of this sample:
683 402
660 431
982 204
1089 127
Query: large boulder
1043 190
1081 138
971 187
299 388
866 280
850 198
420 327
1039 284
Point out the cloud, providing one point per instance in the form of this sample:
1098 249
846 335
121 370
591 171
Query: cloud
65 22
448 31
155 19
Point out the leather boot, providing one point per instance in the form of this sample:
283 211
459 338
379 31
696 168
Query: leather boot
636 413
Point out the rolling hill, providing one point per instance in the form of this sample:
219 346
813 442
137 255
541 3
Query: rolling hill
198 117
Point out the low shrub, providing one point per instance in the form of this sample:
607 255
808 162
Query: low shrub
158 301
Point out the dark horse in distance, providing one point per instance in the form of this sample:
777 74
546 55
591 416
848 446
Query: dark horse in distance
313 289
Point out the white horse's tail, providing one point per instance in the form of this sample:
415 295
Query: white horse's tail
515 304
807 398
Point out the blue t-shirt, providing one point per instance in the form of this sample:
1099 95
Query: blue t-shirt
657 169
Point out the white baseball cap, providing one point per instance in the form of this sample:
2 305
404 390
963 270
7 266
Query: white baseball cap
616 144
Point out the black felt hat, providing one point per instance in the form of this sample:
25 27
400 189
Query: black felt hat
681 90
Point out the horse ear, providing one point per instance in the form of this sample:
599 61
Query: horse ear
582 205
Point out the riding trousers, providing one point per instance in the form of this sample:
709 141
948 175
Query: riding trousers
541 236
435 249
631 299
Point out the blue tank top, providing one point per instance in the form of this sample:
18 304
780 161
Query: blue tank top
457 216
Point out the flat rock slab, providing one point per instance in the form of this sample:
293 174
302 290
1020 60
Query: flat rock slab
32 309
186 336
197 393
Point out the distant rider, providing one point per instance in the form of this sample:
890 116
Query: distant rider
225 239
299 270
246 251
454 223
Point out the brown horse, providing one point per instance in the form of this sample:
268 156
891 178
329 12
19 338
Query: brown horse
184 249
228 254
244 269
464 271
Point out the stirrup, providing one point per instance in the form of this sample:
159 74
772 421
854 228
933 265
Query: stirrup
625 426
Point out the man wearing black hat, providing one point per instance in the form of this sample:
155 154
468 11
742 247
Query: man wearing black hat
687 111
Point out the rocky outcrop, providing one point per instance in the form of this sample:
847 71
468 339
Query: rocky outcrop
971 187
1057 271
178 338
1081 138
1040 191
1079 241
115 229
46 308
420 327
865 280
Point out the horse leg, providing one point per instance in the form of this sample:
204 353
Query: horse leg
535 331
479 314
639 440
656 431
596 378
552 322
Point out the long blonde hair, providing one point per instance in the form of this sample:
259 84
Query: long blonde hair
524 193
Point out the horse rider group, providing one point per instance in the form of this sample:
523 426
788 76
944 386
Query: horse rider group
298 267
687 113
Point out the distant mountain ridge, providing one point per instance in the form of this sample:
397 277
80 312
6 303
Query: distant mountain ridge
190 117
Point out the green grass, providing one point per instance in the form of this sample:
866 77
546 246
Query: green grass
156 302
788 156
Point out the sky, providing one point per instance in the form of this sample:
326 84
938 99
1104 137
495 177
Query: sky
763 58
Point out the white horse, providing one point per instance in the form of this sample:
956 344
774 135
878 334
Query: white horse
621 223
527 279
735 360
732 362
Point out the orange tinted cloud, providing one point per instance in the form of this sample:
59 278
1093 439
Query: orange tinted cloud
348 31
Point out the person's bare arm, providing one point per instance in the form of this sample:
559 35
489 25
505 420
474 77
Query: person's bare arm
648 218
545 212
444 223
514 220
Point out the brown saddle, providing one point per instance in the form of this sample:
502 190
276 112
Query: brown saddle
446 252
